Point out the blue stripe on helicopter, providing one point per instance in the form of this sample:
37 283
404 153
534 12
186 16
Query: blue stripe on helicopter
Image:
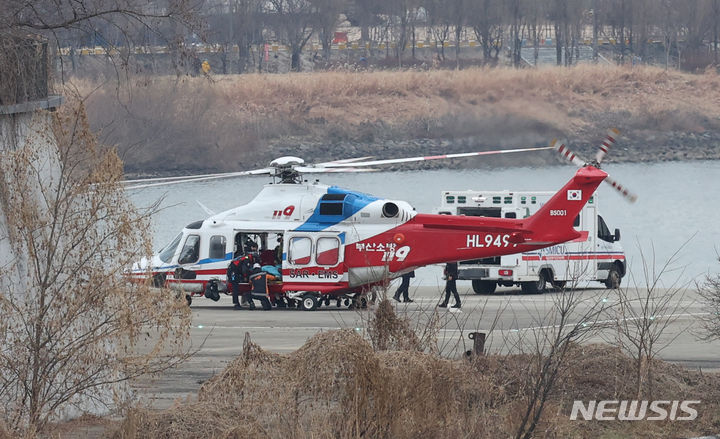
352 204
228 256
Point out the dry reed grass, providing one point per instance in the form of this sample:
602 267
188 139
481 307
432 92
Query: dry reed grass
338 386
237 120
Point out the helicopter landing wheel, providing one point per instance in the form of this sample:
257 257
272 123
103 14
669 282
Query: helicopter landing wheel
309 302
358 303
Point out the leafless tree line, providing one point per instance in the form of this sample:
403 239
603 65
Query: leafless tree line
117 25
641 29
660 31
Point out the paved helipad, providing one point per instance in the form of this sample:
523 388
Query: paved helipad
507 316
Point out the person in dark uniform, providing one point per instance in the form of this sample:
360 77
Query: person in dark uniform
246 264
451 272
234 278
259 288
404 288
279 250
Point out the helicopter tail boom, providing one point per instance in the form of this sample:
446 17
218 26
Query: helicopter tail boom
553 223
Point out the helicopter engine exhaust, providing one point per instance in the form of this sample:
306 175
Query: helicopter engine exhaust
390 210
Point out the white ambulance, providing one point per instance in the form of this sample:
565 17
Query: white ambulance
595 256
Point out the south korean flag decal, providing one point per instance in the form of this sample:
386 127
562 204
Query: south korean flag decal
574 195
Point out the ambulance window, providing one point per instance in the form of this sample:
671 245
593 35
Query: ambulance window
168 252
603 231
190 251
217 247
328 251
300 250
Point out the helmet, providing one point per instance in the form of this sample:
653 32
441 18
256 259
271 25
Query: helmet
256 265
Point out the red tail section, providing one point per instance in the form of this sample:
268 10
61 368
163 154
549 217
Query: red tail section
554 221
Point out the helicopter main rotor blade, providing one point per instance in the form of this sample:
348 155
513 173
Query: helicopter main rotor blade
180 177
356 159
205 208
323 170
203 178
434 157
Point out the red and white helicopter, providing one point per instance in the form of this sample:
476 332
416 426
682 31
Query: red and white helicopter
336 243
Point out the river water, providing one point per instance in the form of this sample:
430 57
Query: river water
677 208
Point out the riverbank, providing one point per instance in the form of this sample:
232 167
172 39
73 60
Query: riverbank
226 123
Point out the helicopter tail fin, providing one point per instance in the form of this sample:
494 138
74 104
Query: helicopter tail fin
553 223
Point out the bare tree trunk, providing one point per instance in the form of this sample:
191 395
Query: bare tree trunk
716 18
295 60
536 44
568 47
412 39
595 32
558 45
458 30
622 32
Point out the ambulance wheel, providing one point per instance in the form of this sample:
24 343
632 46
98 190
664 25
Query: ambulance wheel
483 286
309 302
613 280
537 287
189 299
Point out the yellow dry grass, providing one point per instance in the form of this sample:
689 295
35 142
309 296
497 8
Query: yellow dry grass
338 386
247 114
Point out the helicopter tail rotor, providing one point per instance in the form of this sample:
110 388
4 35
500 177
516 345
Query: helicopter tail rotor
567 154
605 146
631 197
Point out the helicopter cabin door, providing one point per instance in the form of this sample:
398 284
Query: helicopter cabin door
314 258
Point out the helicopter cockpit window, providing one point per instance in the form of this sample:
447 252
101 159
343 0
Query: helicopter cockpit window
328 251
168 252
300 250
217 247
190 251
